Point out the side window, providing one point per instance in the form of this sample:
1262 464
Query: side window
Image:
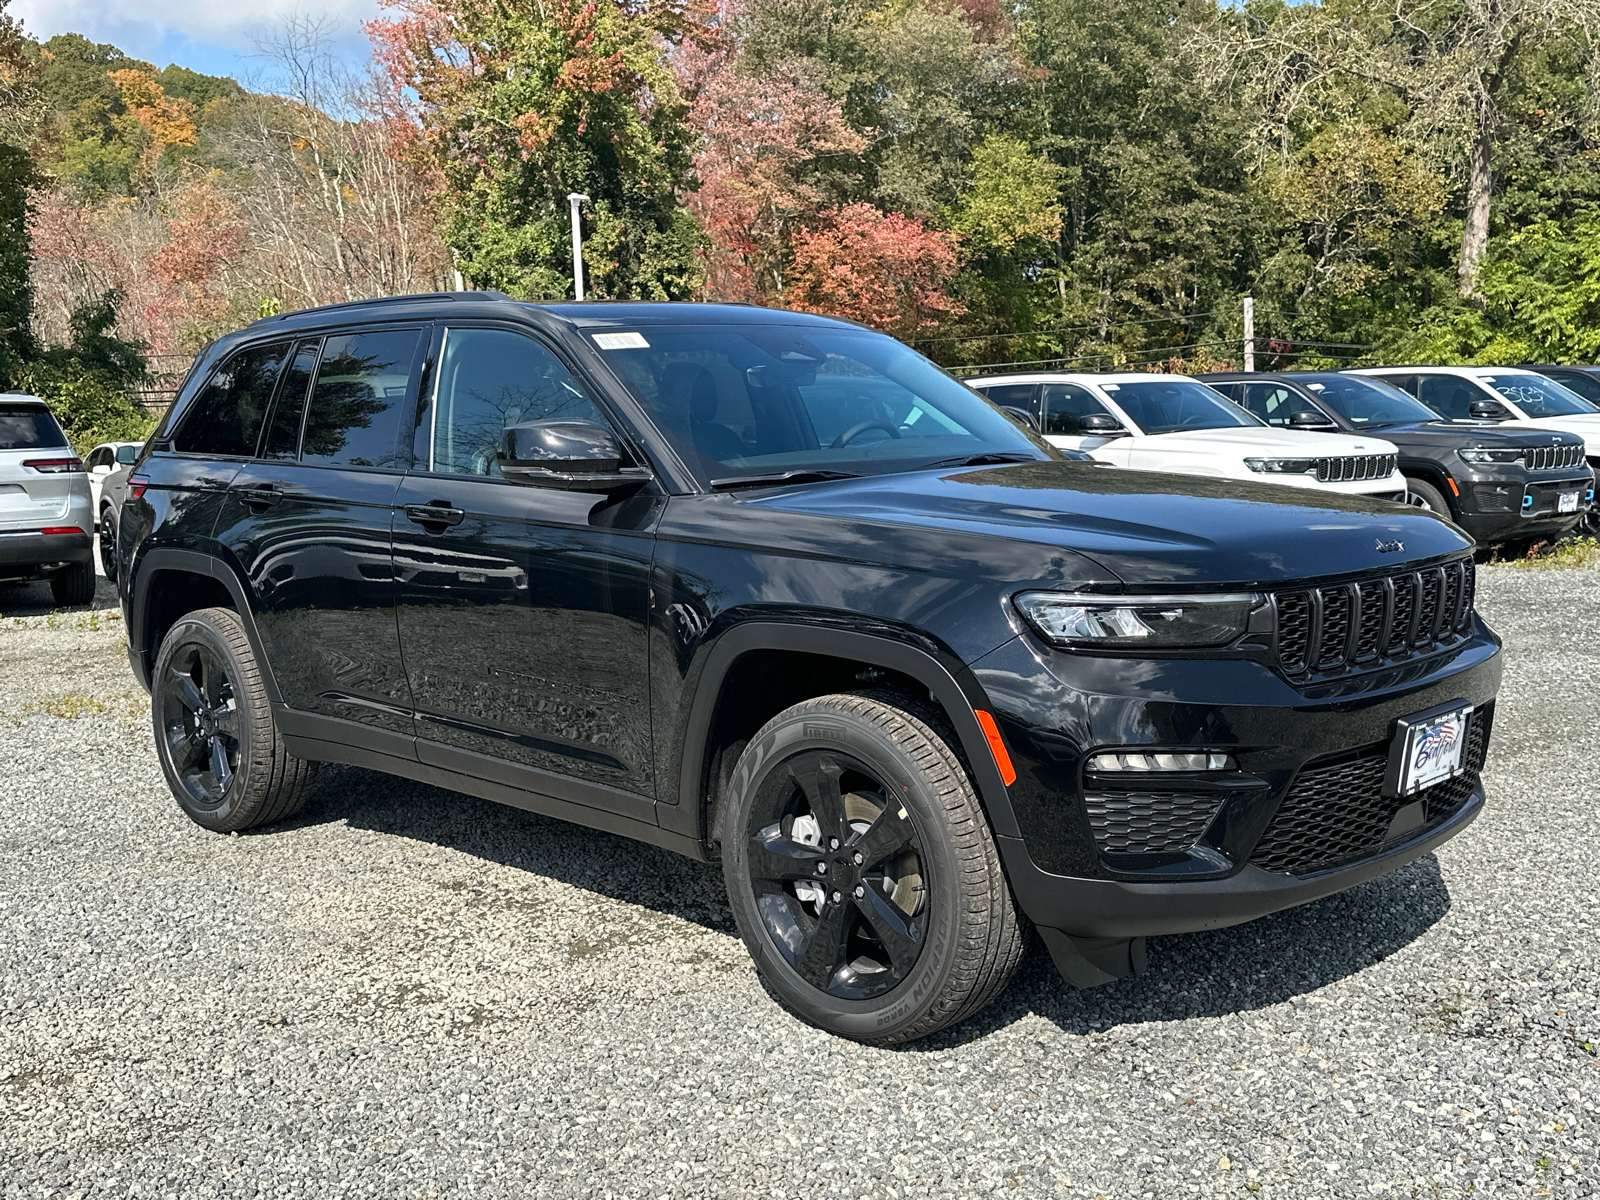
1274 403
1406 383
489 379
225 418
1233 391
1066 404
1586 386
283 434
1014 395
359 399
1448 396
100 458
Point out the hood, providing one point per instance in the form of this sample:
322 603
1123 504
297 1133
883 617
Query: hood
1148 529
1451 434
1585 425
1256 439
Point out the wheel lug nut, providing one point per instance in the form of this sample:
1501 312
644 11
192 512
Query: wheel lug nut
836 897
822 868
833 843
860 891
859 859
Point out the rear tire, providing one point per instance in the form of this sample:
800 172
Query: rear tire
219 746
862 873
72 586
108 544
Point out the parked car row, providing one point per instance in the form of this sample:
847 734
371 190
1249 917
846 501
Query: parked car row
1506 453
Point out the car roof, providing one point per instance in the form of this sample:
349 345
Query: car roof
1586 368
1076 377
1473 371
21 398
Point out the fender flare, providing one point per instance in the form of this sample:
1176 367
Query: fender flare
1432 472
946 677
192 562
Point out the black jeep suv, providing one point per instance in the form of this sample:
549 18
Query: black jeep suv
1499 483
771 588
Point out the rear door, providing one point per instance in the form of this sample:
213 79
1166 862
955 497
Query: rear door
308 523
36 467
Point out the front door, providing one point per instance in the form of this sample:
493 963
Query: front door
523 610
308 524
1065 406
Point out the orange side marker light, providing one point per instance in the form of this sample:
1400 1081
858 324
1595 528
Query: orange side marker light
1453 486
997 747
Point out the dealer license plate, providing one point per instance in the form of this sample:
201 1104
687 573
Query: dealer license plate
1567 502
1427 750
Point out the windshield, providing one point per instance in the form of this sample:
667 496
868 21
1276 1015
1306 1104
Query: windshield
29 427
1176 406
1371 402
758 399
1537 396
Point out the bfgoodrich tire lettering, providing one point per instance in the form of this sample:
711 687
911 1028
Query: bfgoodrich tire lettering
893 756
218 744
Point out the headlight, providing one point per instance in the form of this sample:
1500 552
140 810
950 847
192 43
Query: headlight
1281 466
1154 622
1482 454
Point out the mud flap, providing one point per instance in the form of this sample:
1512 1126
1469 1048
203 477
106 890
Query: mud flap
1089 962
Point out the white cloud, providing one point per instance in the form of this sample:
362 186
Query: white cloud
142 28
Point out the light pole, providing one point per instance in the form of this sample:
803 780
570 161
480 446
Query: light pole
575 199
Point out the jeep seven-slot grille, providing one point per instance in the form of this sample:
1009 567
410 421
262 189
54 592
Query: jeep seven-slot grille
1349 468
1552 458
1337 813
1330 628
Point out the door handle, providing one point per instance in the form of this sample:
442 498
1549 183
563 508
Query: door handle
437 512
261 496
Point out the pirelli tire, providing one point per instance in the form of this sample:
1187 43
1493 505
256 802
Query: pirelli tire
901 887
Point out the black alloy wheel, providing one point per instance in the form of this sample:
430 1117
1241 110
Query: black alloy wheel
836 869
218 743
861 870
108 545
201 723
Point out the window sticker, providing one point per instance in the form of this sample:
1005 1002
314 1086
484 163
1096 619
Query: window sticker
621 341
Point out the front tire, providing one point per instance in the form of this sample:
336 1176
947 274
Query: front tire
219 746
1423 495
862 873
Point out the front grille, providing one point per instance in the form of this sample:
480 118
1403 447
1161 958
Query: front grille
1148 822
1543 499
1552 458
1338 813
1403 613
1350 468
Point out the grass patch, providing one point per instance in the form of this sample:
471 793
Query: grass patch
1565 555
68 707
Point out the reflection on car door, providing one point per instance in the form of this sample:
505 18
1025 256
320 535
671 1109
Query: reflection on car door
309 525
523 610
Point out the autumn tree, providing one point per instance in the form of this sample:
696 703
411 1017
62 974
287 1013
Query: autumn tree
20 111
516 105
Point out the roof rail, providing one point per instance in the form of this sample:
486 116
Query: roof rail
483 294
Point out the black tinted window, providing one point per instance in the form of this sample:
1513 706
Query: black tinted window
283 435
1014 395
1586 386
225 417
363 382
492 378
1275 403
1448 396
1066 404
28 427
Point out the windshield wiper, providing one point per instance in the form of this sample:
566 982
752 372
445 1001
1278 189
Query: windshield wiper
733 482
986 459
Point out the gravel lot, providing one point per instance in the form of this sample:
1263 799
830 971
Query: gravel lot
412 993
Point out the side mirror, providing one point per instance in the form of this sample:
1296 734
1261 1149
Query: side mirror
574 456
1101 425
1021 416
1310 418
127 455
1488 410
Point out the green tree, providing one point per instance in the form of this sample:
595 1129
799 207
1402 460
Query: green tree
20 110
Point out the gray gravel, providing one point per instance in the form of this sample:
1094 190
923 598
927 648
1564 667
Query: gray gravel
411 993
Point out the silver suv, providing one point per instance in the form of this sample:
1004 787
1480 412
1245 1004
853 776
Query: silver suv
46 514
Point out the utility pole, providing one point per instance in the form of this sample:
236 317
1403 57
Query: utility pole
1249 329
575 199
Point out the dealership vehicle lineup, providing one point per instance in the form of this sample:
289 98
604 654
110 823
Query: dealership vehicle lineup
772 590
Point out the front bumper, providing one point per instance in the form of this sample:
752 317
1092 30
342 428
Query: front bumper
33 555
1055 709
1500 508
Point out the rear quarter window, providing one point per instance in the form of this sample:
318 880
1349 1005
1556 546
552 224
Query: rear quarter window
29 427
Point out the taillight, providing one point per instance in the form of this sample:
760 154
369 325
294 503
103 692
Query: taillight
54 529
136 486
55 466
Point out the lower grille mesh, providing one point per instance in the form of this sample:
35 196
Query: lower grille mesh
1337 813
1148 822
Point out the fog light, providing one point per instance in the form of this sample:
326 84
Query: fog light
1527 502
1162 762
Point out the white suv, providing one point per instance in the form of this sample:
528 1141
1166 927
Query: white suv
45 513
1495 394
1176 423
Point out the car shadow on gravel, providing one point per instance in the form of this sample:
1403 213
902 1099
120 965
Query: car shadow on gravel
36 600
1243 968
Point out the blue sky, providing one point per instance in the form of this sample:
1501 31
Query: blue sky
213 36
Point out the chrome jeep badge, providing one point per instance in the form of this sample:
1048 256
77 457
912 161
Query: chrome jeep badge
1390 547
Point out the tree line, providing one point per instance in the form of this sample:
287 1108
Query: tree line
1097 182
